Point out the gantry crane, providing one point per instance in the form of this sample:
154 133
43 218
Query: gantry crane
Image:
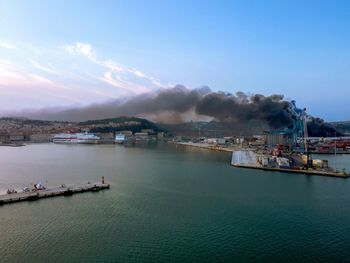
299 130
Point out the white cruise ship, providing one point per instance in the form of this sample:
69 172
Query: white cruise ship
87 138
120 138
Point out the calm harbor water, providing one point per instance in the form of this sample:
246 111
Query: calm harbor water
169 203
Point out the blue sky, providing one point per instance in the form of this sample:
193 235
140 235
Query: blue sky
64 53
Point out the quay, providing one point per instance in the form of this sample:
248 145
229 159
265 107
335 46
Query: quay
62 190
298 171
249 159
206 146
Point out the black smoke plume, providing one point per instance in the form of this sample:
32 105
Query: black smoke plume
178 102
241 107
316 127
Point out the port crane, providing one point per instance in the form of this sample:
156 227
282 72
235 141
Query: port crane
299 130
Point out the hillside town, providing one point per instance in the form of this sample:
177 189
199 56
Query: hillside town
17 131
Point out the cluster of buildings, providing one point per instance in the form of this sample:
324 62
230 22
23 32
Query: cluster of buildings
13 130
269 141
226 141
110 124
327 145
127 136
330 145
19 130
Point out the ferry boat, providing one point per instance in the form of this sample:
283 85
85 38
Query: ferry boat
120 138
84 138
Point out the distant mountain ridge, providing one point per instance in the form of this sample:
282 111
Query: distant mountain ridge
21 125
342 126
26 121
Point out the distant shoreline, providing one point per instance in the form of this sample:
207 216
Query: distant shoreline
12 144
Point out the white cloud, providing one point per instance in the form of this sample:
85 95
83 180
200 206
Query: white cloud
86 50
48 68
110 64
13 75
6 45
138 73
118 82
40 79
37 83
28 89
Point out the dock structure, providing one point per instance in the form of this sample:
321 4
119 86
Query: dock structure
297 171
63 190
248 159
206 146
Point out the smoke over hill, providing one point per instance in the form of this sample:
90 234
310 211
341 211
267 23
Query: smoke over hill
179 105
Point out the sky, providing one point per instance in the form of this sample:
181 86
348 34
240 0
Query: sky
74 53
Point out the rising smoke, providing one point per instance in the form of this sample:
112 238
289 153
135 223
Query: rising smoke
173 105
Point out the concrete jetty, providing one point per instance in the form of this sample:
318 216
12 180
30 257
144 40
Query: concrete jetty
207 146
297 171
64 190
249 159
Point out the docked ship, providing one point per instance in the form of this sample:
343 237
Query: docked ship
83 138
120 138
